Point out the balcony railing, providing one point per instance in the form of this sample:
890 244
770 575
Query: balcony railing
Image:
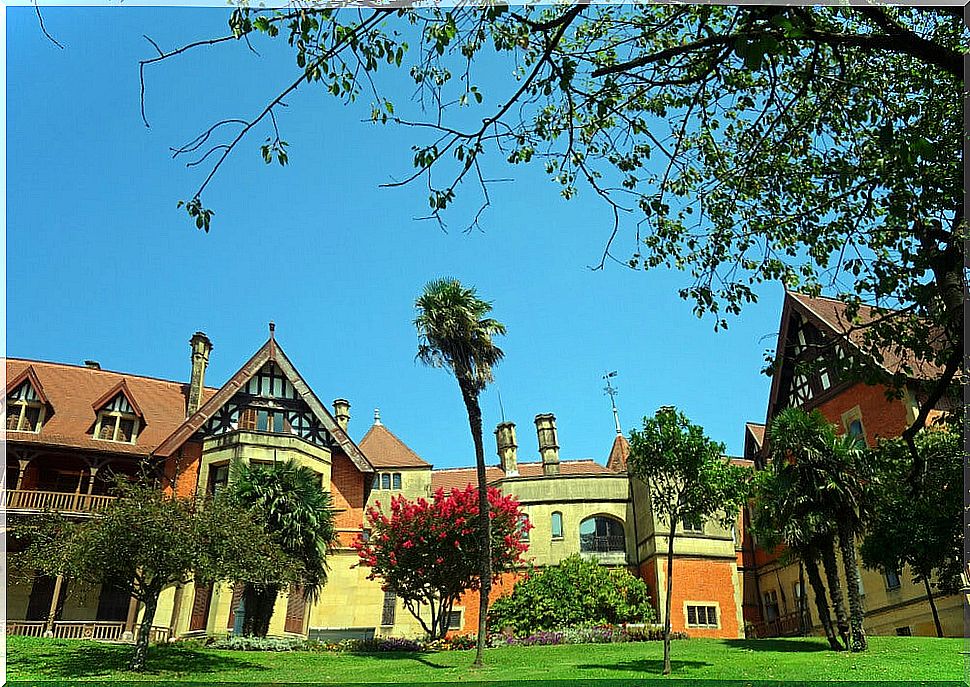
602 544
95 630
788 625
59 501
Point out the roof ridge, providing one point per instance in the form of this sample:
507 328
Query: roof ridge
55 363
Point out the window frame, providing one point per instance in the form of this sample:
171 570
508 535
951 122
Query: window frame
705 608
552 525
890 587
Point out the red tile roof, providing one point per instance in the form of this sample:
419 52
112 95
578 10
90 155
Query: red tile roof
831 312
757 432
618 454
459 478
384 450
74 392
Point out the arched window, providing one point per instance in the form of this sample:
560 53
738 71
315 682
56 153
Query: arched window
601 534
557 525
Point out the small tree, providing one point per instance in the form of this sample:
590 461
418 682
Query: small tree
925 533
145 540
689 479
298 514
575 592
429 552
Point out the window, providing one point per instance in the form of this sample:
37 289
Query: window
387 480
117 421
601 535
771 605
25 410
524 527
694 525
218 478
892 581
389 608
905 631
557 525
852 421
454 620
701 616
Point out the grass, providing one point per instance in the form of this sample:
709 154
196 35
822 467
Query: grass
911 660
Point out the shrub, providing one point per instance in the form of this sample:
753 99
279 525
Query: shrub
575 593
258 644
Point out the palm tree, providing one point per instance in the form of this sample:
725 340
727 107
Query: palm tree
299 514
830 477
455 332
778 519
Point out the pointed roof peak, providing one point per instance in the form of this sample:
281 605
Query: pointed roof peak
618 454
384 449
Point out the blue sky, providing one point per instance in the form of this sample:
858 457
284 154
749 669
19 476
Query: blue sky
101 265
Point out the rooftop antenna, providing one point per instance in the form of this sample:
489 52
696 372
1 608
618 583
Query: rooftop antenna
500 406
611 391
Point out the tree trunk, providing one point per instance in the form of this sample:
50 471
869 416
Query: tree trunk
140 655
669 600
470 396
929 597
835 589
259 602
818 589
851 566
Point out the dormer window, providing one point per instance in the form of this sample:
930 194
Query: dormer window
25 409
118 421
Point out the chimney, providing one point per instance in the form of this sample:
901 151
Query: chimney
92 364
341 412
505 443
548 443
201 348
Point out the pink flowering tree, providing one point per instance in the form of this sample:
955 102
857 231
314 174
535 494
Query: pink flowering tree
429 552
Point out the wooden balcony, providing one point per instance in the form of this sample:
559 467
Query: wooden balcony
95 630
28 500
788 625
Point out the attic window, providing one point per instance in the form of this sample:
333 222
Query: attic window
25 409
117 421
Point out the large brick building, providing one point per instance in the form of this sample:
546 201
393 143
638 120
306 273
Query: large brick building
812 327
70 428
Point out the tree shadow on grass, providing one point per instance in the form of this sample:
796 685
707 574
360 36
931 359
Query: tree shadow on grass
93 660
398 655
803 645
647 665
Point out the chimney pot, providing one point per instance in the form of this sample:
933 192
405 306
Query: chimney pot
92 364
341 412
506 447
201 348
548 443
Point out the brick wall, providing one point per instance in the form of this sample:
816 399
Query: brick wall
881 417
469 603
347 488
182 470
702 580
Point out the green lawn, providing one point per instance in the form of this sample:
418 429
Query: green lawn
908 659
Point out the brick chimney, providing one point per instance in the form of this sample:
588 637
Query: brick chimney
201 348
548 443
341 412
505 443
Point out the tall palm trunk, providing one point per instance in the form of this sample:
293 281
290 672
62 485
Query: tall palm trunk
810 559
851 565
669 600
470 396
835 589
929 597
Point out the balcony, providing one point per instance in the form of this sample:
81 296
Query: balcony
31 501
103 631
788 625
